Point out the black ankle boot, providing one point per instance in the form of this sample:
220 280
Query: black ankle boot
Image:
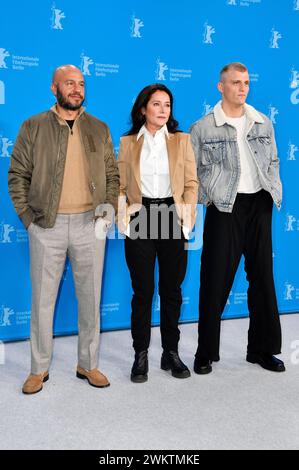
202 365
170 360
140 367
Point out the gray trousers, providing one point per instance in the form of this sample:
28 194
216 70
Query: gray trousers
72 235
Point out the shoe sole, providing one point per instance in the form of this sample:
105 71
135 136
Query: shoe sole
45 379
83 377
254 361
183 375
208 370
139 379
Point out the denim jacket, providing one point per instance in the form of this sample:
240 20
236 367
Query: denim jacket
218 162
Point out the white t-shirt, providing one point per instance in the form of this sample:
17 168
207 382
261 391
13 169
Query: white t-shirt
249 179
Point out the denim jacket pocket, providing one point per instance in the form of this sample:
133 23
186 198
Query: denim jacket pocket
261 145
261 138
212 152
264 139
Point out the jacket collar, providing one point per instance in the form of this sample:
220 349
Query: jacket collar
61 119
251 113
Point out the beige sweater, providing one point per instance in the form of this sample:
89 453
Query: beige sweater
75 194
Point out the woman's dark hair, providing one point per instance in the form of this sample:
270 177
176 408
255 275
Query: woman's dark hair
138 119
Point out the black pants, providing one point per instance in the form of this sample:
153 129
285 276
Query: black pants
247 231
141 257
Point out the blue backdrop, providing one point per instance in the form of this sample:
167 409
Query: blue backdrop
121 46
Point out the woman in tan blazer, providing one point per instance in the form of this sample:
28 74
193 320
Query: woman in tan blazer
157 208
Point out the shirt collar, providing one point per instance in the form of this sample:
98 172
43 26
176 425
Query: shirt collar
144 131
251 113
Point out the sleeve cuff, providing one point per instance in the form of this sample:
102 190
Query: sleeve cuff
186 232
27 217
101 228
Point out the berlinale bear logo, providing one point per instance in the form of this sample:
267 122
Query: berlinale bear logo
294 85
57 16
135 28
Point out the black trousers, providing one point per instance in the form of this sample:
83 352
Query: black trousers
247 231
141 255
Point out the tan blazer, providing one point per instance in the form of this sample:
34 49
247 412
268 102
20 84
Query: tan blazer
183 177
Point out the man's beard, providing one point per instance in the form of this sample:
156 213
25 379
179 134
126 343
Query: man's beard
65 104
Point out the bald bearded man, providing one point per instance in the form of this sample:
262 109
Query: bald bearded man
62 168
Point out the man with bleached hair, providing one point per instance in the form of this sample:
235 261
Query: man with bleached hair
238 172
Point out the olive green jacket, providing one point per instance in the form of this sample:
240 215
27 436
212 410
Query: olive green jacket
37 166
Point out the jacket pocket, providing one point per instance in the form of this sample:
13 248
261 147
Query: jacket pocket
261 146
212 152
91 143
263 139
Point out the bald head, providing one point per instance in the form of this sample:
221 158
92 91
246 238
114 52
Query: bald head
64 70
69 88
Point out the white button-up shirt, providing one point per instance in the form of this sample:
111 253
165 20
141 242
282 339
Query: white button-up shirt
154 167
154 164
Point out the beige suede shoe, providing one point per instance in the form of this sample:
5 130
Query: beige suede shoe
34 383
94 377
